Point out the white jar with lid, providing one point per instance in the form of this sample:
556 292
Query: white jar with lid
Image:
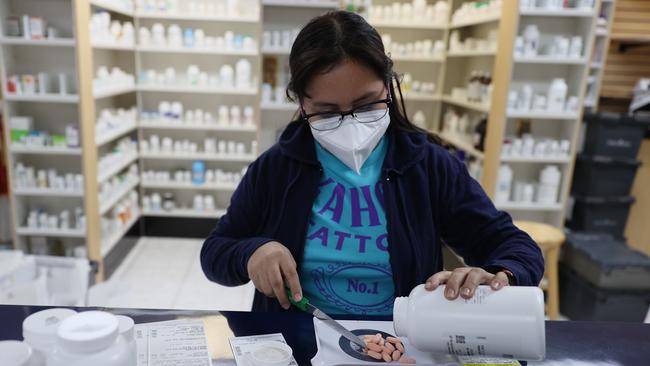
15 353
39 331
508 323
557 93
91 338
127 330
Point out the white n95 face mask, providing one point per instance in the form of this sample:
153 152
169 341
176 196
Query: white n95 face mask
353 141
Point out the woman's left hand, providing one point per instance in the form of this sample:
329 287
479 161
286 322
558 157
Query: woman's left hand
464 281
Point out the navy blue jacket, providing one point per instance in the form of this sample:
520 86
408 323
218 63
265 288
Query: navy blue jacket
429 198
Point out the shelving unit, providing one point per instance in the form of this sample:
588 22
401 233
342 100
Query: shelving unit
600 47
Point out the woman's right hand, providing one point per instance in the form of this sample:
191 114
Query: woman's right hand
270 266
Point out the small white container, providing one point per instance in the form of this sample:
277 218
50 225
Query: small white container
549 184
39 331
507 323
15 353
271 354
557 93
504 184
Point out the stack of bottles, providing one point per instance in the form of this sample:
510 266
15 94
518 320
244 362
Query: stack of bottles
40 219
167 202
116 78
175 113
532 43
193 38
113 119
472 44
198 176
533 98
123 213
108 189
104 30
27 177
418 11
476 11
239 77
22 134
124 147
209 8
211 146
419 48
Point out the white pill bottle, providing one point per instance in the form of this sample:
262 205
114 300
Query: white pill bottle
508 323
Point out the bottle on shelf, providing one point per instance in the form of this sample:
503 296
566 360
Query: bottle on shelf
479 134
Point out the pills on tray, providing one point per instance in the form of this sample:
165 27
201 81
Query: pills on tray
389 349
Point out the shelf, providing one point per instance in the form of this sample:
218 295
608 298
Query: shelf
198 17
46 192
197 156
111 6
421 97
482 20
536 160
196 90
459 143
187 213
478 107
113 46
118 195
276 51
471 53
195 127
190 186
550 60
47 42
529 206
572 13
290 107
117 167
46 98
302 4
114 134
407 25
113 91
596 65
17 149
437 58
54 233
543 115
195 51
109 243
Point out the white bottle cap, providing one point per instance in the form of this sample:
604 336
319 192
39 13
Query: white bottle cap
39 329
271 354
126 327
88 332
15 353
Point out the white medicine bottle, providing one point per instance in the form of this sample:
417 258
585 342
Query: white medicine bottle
508 323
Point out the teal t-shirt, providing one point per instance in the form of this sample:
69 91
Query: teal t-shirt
346 268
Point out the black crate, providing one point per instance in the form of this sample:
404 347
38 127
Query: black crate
614 135
579 300
606 262
601 215
603 176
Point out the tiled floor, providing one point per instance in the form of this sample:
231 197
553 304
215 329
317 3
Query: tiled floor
165 273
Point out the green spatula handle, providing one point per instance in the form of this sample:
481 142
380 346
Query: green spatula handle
302 304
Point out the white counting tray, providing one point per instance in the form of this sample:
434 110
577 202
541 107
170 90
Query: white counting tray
334 350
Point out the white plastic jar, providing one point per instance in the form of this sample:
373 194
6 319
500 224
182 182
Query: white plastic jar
15 353
91 338
39 331
507 323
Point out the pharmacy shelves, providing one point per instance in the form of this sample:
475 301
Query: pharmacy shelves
113 46
47 42
461 143
109 242
197 17
195 90
477 107
188 213
124 162
565 13
408 25
45 98
486 53
432 59
247 158
118 195
190 186
46 192
54 233
45 150
112 6
528 206
101 140
290 107
543 115
536 160
113 91
424 97
550 60
488 18
276 51
195 127
196 51
302 4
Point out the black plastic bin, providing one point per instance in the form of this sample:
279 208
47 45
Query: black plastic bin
603 176
579 300
606 262
601 215
614 135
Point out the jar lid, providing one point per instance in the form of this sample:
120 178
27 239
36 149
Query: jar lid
88 332
271 354
39 329
126 327
15 353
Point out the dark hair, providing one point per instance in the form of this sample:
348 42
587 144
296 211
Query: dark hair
328 40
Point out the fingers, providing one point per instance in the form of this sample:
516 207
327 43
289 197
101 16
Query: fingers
475 277
291 278
499 281
277 285
436 280
456 279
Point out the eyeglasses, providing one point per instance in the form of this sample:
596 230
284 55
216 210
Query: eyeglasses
367 113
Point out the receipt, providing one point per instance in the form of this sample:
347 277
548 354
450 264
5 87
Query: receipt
178 343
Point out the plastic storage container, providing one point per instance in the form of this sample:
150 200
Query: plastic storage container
603 176
614 135
601 215
579 300
39 331
606 262
508 323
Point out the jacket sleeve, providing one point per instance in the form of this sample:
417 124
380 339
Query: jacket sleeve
484 236
225 253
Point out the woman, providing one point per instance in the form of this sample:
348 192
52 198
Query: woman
352 205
